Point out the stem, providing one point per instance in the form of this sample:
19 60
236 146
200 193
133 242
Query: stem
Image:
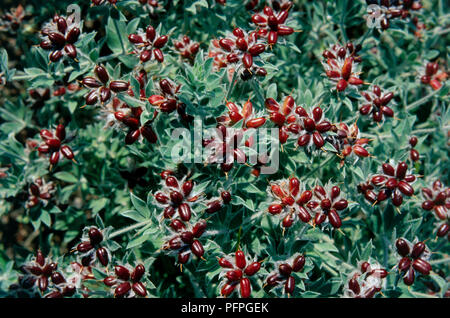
230 89
320 166
129 228
440 261
422 100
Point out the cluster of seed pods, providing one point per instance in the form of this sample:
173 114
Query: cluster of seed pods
38 271
392 9
185 240
100 2
284 116
127 281
437 199
414 258
216 203
148 43
90 248
375 103
290 201
245 113
176 196
330 203
238 269
283 276
342 65
12 20
270 24
413 153
59 37
241 47
100 90
166 99
187 48
54 145
431 75
312 127
392 183
365 282
39 191
348 141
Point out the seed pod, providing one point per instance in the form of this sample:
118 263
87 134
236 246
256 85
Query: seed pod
43 283
199 228
71 51
285 269
160 42
417 249
73 35
135 38
183 258
132 136
213 206
226 197
318 139
95 236
401 170
252 269
379 272
365 266
354 286
46 45
122 272
397 199
161 198
289 286
388 169
55 56
90 82
122 289
227 289
245 287
57 278
137 273
187 237
405 188
443 230
102 74
334 219
387 98
340 205
184 211
234 275
421 266
240 259
57 39
102 256
247 60
139 289
325 204
149 134
414 155
360 151
105 94
298 263
428 205
118 86
172 182
177 225
197 248
341 85
402 247
109 281
275 209
159 56
53 143
150 33
404 264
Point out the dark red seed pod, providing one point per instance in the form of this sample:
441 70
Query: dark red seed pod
60 132
417 249
161 198
149 134
318 139
272 280
197 248
227 289
73 35
285 269
319 218
134 38
118 86
34 189
102 256
325 204
90 82
177 225
102 74
405 188
323 126
55 56
257 49
240 259
183 258
109 281
443 230
139 289
91 97
53 143
379 272
275 209
187 237
122 272
150 33
421 266
404 264
46 45
40 258
213 206
172 182
174 243
353 285
138 273
247 60
187 187
388 169
159 56
245 287
298 263
145 55
234 275
132 136
425 79
334 219
402 167
105 94
365 267
340 205
71 51
57 278
95 236
184 211
303 214
160 42
69 291
199 228
402 247
57 39
341 85
289 285
226 197
252 269
49 268
43 283
428 205
122 289
54 158
223 262
397 199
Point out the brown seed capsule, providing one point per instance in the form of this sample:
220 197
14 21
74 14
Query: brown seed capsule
402 247
132 136
139 289
137 273
122 289
71 51
417 249
73 35
84 247
213 206
298 263
184 211
197 248
92 97
421 266
160 42
354 286
334 219
289 286
95 236
105 94
118 86
57 39
404 264
122 272
285 269
102 256
149 134
57 278
90 82
252 269
102 74
443 230
55 56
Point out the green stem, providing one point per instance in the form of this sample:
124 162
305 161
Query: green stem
128 228
440 261
422 100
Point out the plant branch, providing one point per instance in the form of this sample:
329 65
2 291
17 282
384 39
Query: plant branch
129 228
